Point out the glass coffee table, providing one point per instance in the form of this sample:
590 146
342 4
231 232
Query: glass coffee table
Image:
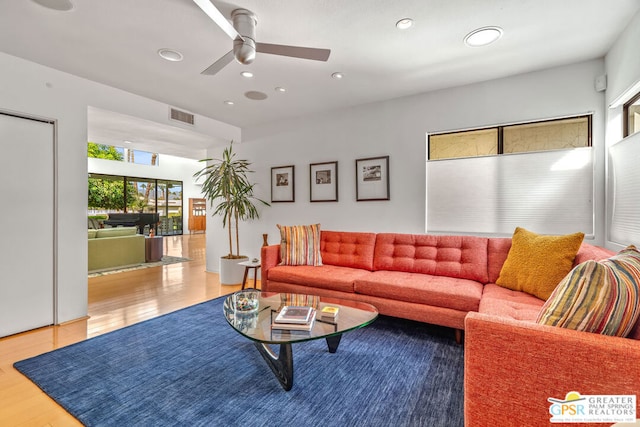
252 312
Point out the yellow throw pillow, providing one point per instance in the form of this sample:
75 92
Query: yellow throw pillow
537 263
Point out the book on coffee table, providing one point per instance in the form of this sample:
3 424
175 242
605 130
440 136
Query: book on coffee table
296 326
294 314
329 312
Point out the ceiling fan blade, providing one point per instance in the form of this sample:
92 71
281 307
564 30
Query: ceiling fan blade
217 17
294 51
219 64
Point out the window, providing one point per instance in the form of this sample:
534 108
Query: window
545 183
470 143
129 155
624 179
632 116
107 194
528 137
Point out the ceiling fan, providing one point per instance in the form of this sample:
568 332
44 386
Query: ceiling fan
243 34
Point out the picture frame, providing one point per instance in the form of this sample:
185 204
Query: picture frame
323 182
283 184
372 179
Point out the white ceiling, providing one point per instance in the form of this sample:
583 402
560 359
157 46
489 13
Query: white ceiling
115 42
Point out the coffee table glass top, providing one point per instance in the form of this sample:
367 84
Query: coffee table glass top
251 313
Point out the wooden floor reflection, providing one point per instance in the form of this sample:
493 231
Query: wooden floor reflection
115 301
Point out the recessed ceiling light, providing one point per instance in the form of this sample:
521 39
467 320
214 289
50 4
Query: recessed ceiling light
170 55
280 89
127 142
337 75
247 74
483 36
61 5
228 102
404 23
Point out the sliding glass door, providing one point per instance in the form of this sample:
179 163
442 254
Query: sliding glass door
169 204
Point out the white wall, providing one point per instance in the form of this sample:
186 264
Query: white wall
397 128
33 89
169 167
622 64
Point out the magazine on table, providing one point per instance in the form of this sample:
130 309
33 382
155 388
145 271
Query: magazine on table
296 326
294 314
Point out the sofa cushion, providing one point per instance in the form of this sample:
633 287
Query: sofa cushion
116 232
537 263
509 304
463 257
325 276
300 244
348 249
92 233
439 291
598 296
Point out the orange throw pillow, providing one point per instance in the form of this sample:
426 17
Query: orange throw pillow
537 263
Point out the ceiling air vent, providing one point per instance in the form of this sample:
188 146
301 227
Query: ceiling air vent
182 116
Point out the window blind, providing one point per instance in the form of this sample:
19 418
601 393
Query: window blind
624 175
547 192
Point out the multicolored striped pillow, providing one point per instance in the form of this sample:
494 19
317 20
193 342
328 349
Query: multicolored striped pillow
300 245
601 297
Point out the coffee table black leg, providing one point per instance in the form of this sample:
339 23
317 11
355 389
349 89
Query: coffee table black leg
281 364
333 342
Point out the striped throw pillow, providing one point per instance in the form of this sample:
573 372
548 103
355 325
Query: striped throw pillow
300 245
601 297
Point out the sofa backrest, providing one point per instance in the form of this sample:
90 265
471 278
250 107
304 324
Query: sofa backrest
347 249
498 250
463 257
116 232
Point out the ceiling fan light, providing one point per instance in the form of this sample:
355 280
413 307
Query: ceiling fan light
483 36
244 50
170 55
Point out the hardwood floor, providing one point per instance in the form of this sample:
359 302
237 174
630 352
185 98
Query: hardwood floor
115 301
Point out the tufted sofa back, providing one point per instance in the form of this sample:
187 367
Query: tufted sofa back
463 257
347 249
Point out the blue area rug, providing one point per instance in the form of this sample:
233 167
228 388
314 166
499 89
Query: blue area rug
191 368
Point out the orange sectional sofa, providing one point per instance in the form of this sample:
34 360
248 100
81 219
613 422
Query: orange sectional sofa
510 361
428 278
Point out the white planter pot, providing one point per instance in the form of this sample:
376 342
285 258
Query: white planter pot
230 272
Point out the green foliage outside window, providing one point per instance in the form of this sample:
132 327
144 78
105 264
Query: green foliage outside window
102 151
108 194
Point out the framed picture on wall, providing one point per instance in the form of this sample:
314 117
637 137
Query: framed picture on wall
372 179
323 180
282 184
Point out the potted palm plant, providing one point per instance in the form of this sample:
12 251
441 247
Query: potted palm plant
226 183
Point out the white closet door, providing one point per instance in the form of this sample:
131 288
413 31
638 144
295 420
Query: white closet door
26 224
